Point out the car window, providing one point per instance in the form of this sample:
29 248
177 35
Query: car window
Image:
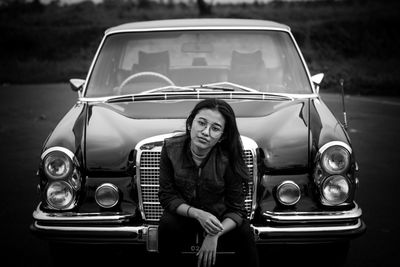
134 62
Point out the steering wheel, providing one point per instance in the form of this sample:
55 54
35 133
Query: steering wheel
144 73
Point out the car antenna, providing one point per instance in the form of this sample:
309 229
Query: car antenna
341 81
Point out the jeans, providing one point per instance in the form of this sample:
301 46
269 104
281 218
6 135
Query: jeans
177 234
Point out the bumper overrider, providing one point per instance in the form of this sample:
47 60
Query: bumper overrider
296 227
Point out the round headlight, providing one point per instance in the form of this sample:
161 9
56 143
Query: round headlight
335 160
288 193
57 165
59 195
335 189
107 195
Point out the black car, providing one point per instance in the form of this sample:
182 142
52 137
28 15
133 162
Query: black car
99 167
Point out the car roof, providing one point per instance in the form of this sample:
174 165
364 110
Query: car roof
197 24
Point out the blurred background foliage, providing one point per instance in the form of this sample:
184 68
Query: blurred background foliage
357 40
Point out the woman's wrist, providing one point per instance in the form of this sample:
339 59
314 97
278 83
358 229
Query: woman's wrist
192 212
187 211
217 235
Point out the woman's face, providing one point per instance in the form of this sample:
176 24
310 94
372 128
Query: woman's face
207 128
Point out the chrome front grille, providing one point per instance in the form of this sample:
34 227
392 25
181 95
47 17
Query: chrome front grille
249 159
149 172
147 163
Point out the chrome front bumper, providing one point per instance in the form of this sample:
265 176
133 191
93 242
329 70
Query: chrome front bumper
279 228
87 227
306 217
310 227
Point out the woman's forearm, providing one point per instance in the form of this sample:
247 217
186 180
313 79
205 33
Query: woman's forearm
207 220
228 224
184 209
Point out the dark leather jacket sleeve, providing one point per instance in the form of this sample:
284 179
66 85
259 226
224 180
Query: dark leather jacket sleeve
168 194
234 198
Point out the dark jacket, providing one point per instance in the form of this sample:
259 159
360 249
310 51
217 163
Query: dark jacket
212 186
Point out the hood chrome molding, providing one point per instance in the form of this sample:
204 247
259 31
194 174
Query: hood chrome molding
198 95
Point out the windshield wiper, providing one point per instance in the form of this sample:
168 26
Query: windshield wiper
213 87
220 86
169 88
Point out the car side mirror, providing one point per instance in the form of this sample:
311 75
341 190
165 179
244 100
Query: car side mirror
317 79
77 85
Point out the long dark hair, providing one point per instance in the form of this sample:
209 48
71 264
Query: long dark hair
230 140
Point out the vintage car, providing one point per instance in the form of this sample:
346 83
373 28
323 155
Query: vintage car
99 167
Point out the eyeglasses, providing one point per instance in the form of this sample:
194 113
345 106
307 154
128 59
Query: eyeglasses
215 130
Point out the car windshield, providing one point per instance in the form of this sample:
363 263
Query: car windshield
137 62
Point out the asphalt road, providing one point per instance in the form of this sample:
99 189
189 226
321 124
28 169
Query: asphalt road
28 113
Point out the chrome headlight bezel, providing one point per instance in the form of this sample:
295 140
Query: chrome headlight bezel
69 176
334 160
111 190
59 153
65 187
281 194
57 161
337 183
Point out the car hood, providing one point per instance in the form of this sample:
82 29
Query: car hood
278 127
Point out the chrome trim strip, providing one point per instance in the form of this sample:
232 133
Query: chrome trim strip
200 28
334 143
304 62
266 229
92 66
354 213
128 229
198 94
250 144
66 151
155 138
40 215
256 229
